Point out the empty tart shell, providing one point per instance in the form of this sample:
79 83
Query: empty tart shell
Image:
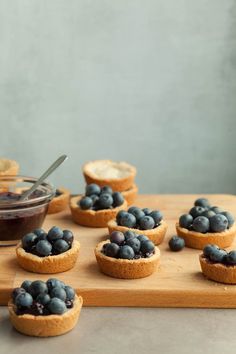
217 271
156 235
131 194
51 264
60 203
94 172
199 240
46 326
124 268
92 218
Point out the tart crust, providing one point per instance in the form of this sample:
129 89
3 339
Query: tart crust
199 240
131 194
93 218
8 167
46 326
124 268
118 184
51 264
156 235
217 271
59 203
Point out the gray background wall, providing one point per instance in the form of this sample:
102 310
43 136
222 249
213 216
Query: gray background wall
151 82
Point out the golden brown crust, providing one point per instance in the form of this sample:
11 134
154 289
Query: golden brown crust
156 235
8 167
51 264
131 194
199 240
59 203
93 218
46 326
117 184
124 268
217 271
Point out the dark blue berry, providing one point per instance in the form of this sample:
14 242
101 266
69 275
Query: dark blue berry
142 238
42 235
117 237
127 220
208 249
105 201
196 211
147 247
68 237
28 241
146 223
229 217
201 224
17 291
26 285
134 243
112 250
106 189
70 293
57 306
58 292
23 300
218 223
216 209
157 216
147 211
126 252
176 243
217 255
185 221
60 246
85 203
230 258
38 287
53 282
43 299
55 233
118 199
137 212
119 215
92 189
95 199
208 213
43 248
129 234
202 202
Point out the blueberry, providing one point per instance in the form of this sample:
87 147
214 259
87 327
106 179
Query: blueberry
17 291
196 211
201 224
60 246
134 243
117 237
94 198
105 200
106 189
58 193
218 223
68 237
118 199
58 292
119 215
28 241
129 234
126 252
112 250
57 306
43 299
176 243
142 238
24 300
208 249
26 285
92 189
230 258
185 221
85 203
147 247
229 217
43 248
217 255
147 211
42 235
70 293
157 216
55 233
216 209
146 223
202 202
128 220
132 209
53 282
38 287
137 212
208 213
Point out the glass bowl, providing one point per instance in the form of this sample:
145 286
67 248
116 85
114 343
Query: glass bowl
17 218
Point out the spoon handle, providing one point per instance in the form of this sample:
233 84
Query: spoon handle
55 164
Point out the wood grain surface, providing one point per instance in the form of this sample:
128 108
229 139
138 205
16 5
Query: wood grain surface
178 283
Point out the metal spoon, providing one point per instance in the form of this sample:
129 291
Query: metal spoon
55 164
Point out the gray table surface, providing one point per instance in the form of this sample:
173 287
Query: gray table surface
126 330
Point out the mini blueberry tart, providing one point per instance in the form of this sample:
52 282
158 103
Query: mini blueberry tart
127 255
206 224
52 252
142 221
60 201
219 265
44 309
117 175
97 207
131 194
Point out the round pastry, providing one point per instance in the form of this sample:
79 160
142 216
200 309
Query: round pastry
50 253
132 268
60 201
31 315
118 175
8 167
131 194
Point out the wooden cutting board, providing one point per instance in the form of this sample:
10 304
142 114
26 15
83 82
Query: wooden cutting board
178 283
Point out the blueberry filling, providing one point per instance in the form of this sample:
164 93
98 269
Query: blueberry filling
43 298
206 218
43 244
137 218
214 254
128 245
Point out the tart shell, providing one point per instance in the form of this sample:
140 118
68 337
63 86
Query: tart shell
124 268
117 184
199 240
131 194
156 235
48 265
93 218
46 326
59 203
217 271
